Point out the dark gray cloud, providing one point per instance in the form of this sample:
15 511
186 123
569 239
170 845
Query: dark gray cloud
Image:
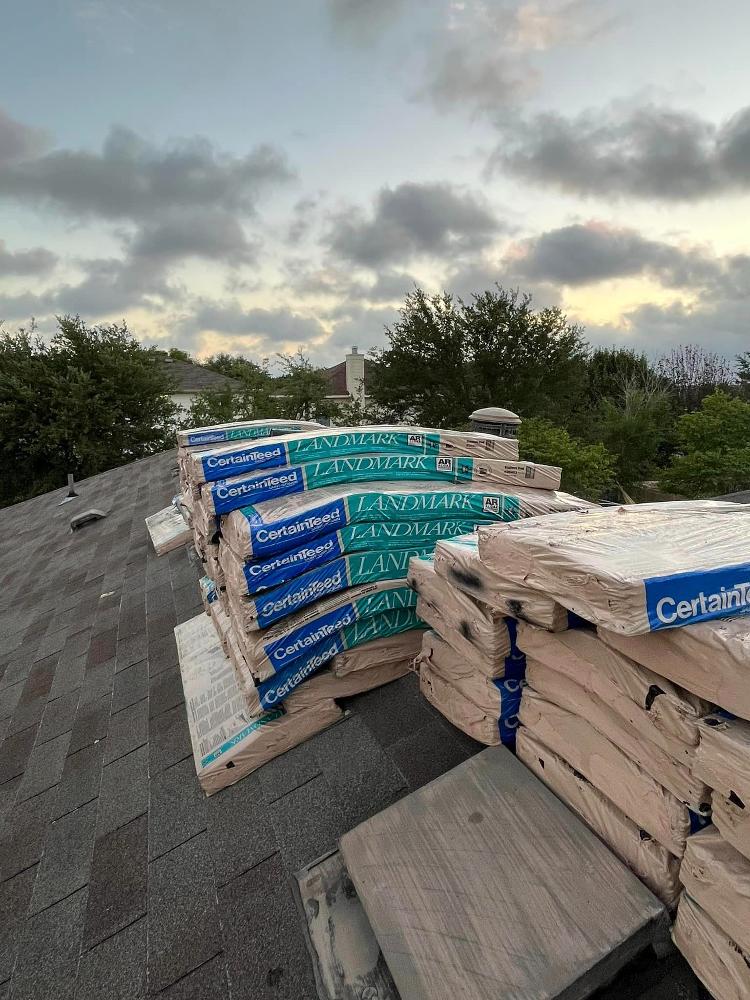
213 235
18 141
270 328
35 261
648 152
461 72
134 179
412 220
586 254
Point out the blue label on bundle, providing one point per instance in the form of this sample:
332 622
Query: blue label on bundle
230 495
510 702
294 645
683 598
309 587
285 532
698 822
261 574
242 460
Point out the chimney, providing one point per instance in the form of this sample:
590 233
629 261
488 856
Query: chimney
355 376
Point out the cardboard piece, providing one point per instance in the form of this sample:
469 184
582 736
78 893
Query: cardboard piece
723 758
633 569
168 530
644 856
656 709
476 630
457 561
732 819
714 958
711 659
717 877
483 884
674 775
646 802
227 742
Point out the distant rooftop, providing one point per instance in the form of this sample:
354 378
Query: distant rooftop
191 377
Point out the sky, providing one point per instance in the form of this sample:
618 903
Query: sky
259 178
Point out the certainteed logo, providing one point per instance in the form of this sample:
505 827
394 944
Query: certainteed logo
682 598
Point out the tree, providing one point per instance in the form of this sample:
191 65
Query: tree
691 373
447 357
588 470
301 390
633 425
175 354
90 400
239 367
715 449
609 369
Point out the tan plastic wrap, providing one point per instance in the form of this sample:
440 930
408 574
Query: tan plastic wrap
644 856
227 744
711 659
673 775
647 803
459 710
715 959
656 709
723 758
454 668
732 820
717 877
457 561
168 530
214 568
609 564
473 628
390 649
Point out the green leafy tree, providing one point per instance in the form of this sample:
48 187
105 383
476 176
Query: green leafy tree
301 390
254 400
714 449
588 469
633 425
447 357
176 354
89 400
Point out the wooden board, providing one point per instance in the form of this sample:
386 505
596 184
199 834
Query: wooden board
483 885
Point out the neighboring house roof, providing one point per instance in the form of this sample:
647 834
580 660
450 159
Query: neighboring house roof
189 377
104 830
337 378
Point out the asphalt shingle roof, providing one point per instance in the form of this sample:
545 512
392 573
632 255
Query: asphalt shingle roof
190 377
118 878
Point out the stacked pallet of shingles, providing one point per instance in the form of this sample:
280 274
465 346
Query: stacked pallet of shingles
471 667
195 442
315 575
640 722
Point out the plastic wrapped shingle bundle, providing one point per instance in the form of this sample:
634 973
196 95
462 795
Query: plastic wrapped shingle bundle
284 524
306 446
224 496
457 561
713 919
723 762
476 631
634 569
240 430
646 857
482 706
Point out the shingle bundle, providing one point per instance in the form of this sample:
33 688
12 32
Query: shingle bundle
640 721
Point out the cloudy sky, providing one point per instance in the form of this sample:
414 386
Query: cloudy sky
246 176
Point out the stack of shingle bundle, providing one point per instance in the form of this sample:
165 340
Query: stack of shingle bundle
634 722
195 442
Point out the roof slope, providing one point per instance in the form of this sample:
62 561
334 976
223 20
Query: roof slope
117 876
189 377
337 378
